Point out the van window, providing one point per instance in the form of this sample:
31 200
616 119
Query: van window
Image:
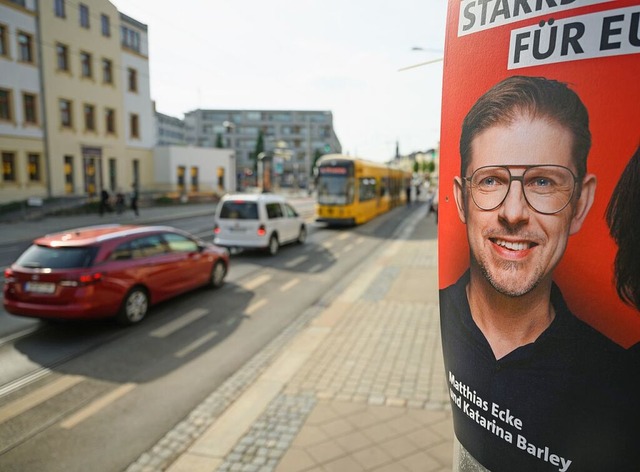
274 210
291 213
237 210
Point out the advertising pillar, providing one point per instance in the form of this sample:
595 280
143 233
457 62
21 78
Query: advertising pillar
539 233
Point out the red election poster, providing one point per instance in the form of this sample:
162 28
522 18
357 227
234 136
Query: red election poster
539 266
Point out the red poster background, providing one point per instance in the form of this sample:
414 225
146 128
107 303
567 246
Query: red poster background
610 89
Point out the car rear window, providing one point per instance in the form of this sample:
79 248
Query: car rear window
237 210
44 257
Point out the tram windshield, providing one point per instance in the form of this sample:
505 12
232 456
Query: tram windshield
335 190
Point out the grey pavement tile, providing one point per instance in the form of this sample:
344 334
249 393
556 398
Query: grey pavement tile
372 457
399 447
443 453
309 435
325 452
379 433
337 427
343 464
421 462
354 441
296 460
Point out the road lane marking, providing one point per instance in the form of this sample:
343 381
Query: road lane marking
179 323
36 397
347 248
196 344
256 282
19 334
327 244
97 405
297 261
290 284
343 236
315 268
255 306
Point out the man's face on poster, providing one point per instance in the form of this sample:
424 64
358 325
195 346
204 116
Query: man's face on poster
514 246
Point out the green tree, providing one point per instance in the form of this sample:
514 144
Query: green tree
258 149
219 143
316 155
416 166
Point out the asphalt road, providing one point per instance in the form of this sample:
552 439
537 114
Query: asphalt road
93 396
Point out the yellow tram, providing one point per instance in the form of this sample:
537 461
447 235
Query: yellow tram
351 191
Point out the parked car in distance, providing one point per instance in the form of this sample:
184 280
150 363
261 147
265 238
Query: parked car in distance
109 271
257 221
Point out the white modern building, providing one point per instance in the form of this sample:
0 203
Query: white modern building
188 170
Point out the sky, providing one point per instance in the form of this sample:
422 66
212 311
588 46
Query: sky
338 55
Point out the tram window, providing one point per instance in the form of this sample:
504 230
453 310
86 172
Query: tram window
367 189
335 190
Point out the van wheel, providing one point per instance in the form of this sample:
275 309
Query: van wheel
302 236
218 272
274 245
134 307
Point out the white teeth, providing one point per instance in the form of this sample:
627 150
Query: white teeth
512 246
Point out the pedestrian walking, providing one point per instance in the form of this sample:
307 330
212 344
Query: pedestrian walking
408 192
134 199
104 202
120 203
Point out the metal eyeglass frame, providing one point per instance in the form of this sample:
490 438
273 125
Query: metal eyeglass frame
520 178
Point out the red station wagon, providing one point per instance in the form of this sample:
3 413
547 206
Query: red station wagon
109 271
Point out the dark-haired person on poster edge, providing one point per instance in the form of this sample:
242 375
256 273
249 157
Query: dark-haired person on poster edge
623 218
532 387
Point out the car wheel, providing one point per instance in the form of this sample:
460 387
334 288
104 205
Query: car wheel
302 236
134 307
218 273
274 245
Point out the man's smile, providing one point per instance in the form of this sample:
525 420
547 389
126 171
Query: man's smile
513 245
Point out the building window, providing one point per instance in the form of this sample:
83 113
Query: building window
130 38
136 172
107 71
132 75
85 61
68 175
25 47
113 184
89 118
110 120
8 167
30 108
106 25
66 117
33 167
4 49
62 54
6 110
134 126
59 9
84 16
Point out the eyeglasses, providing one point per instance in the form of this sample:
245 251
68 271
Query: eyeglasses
548 189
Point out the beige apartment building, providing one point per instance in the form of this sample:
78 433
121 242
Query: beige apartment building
21 131
96 115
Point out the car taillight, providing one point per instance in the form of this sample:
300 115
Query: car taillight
262 230
216 229
8 276
84 279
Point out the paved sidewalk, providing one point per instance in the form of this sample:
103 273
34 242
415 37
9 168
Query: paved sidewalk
357 385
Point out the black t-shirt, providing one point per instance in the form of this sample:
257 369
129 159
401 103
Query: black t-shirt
566 402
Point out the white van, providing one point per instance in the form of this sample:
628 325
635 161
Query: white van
257 221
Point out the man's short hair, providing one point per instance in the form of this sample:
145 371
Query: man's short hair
535 97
